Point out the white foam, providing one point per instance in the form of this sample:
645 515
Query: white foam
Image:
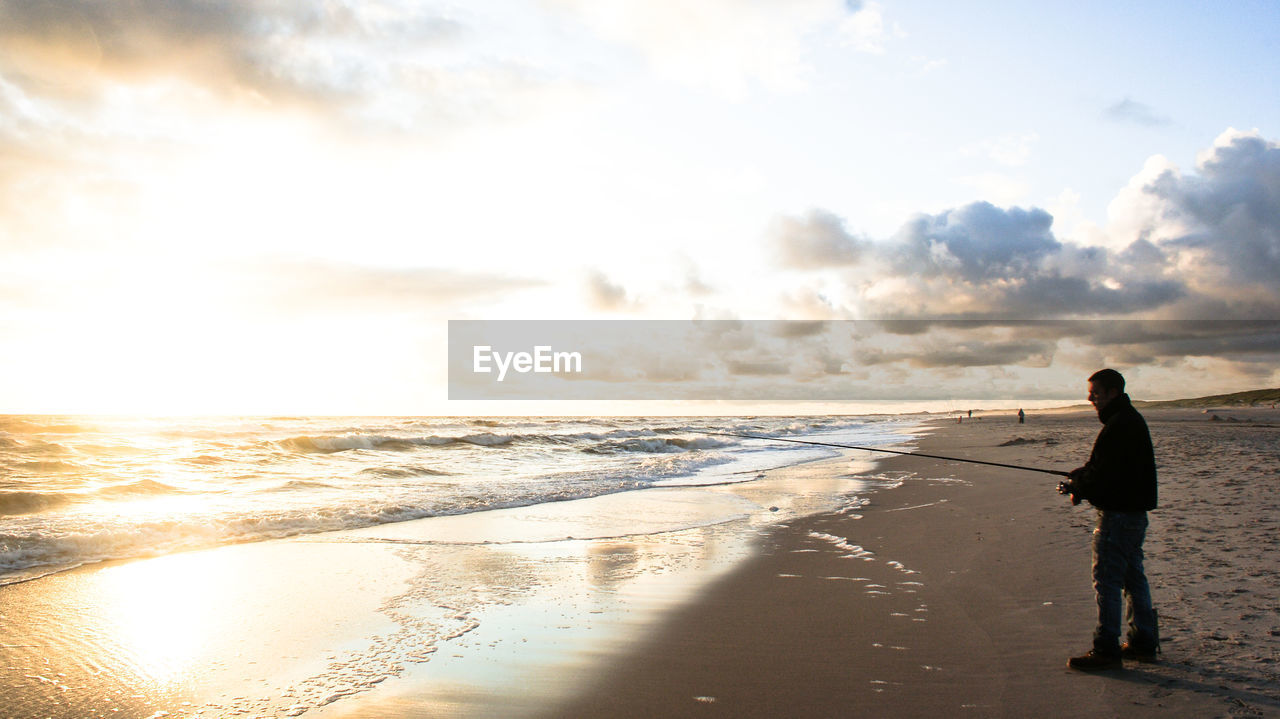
202 482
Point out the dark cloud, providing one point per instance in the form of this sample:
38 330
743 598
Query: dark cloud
1233 208
759 368
118 33
976 242
276 48
1131 342
1180 338
1130 110
985 354
816 241
801 328
985 262
1208 247
1143 254
1055 295
966 348
1252 345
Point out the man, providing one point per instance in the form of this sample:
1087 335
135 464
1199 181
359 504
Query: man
1120 481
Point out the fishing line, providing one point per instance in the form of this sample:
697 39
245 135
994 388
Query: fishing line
1057 472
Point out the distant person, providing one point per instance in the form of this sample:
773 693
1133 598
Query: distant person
1120 481
1022 416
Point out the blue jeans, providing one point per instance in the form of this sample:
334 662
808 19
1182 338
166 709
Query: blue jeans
1119 581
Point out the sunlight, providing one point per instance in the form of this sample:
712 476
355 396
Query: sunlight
163 613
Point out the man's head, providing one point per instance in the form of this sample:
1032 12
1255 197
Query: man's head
1104 386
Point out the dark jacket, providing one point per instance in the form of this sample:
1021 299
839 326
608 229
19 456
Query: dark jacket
1121 472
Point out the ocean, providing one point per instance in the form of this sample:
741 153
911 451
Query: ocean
77 490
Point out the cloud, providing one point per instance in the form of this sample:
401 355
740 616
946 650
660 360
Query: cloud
1230 208
977 242
691 282
934 354
808 303
317 50
604 294
1049 295
311 286
1240 350
759 368
181 311
982 261
1217 230
107 107
805 328
815 241
373 67
1177 246
1130 110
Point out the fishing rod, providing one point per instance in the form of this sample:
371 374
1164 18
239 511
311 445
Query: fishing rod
1060 473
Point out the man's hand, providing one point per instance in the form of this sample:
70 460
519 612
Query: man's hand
1069 487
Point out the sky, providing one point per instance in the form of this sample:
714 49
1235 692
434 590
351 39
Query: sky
276 206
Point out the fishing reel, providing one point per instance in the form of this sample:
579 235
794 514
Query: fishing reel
1066 486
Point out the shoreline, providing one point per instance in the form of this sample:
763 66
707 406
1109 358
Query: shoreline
949 588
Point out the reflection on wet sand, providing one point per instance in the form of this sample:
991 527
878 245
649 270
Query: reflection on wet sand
474 614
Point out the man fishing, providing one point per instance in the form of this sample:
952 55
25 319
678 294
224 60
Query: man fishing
1120 481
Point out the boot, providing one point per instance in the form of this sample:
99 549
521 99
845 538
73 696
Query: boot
1095 661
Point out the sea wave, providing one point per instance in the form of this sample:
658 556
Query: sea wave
328 444
26 555
32 424
649 439
26 502
404 472
655 445
140 488
205 460
31 446
45 466
657 439
300 485
18 502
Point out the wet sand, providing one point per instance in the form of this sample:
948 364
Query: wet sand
964 591
949 589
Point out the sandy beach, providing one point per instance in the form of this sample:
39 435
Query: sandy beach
928 588
964 591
